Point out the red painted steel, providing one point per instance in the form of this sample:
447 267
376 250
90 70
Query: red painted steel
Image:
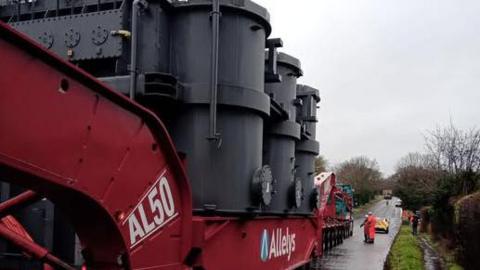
20 201
31 248
234 243
325 182
13 231
12 224
96 154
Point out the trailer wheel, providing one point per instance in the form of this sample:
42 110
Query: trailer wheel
333 238
329 240
325 240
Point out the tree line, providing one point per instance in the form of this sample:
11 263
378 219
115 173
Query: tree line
448 167
443 182
361 172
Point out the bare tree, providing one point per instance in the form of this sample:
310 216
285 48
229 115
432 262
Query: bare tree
416 178
457 152
417 160
363 174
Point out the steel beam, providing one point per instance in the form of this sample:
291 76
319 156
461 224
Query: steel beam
20 201
33 249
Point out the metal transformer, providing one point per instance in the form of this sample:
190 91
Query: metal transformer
280 135
198 64
307 148
219 126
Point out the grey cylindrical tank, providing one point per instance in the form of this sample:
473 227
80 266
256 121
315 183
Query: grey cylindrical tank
221 170
307 148
280 136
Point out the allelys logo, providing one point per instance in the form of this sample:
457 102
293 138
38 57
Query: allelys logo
276 243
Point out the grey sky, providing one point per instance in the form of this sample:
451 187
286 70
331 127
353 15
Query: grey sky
387 70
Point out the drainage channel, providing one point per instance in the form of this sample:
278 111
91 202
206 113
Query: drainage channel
432 260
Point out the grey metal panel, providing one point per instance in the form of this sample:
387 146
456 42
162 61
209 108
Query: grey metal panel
228 95
310 97
88 36
241 51
39 5
308 146
118 83
246 7
220 171
305 170
290 62
284 128
153 39
280 135
307 149
48 8
279 154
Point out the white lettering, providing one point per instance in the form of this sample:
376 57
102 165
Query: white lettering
135 229
280 244
156 206
292 245
147 226
166 195
154 210
273 250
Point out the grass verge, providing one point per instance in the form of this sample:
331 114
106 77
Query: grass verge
405 253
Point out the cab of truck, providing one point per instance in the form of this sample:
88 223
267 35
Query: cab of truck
387 194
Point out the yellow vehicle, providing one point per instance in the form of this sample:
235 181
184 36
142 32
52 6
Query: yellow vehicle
382 225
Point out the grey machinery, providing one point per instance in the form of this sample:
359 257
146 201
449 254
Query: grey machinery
307 148
200 65
281 133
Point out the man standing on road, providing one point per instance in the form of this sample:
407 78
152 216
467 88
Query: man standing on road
365 229
414 220
371 228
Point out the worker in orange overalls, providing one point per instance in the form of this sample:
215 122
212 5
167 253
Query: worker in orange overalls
372 220
369 227
365 226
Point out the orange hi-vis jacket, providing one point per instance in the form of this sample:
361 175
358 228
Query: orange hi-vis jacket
370 226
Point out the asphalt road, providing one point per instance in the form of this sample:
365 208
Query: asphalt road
355 254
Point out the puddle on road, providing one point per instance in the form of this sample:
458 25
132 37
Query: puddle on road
335 259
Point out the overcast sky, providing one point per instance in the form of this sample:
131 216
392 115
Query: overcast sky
387 70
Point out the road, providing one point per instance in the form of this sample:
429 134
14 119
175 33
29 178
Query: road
355 254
